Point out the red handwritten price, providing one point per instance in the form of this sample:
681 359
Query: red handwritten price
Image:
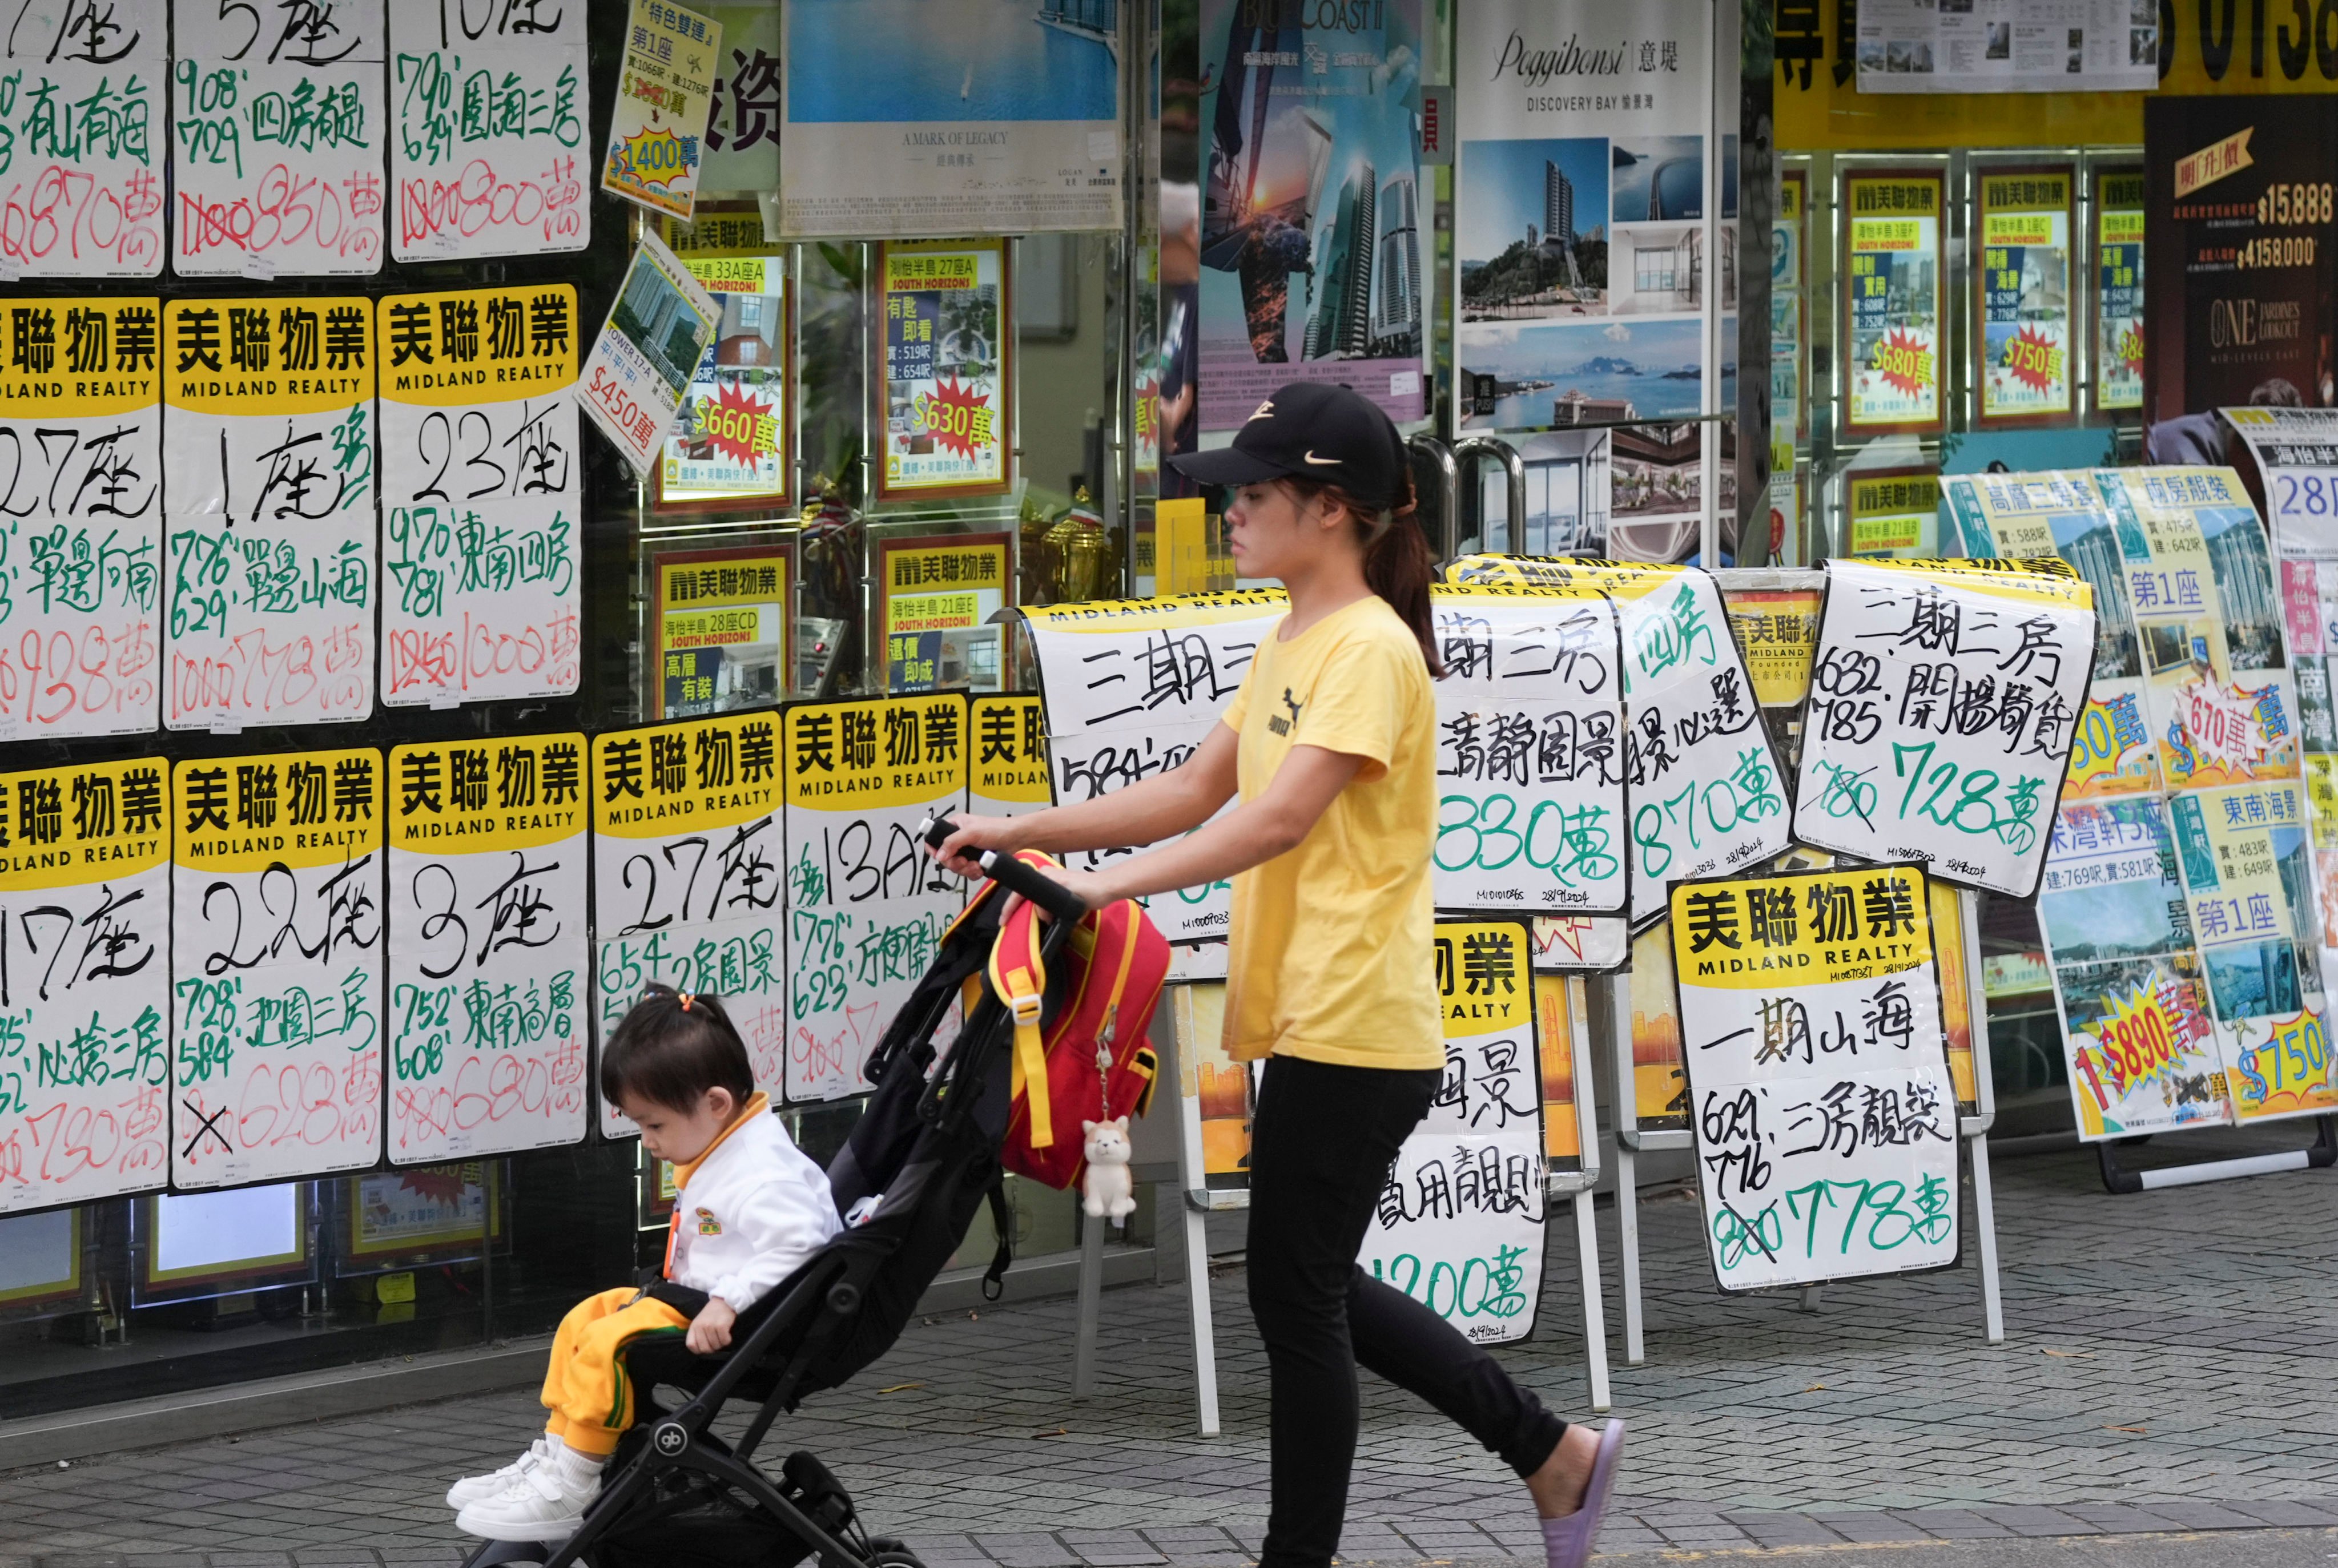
480 653
64 221
290 211
436 216
91 679
69 1150
257 676
489 1091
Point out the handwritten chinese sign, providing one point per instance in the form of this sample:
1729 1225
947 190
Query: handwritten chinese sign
665 95
491 105
487 946
276 966
1825 1117
1944 702
480 485
1458 1225
270 547
84 983
867 906
276 131
81 170
80 519
687 877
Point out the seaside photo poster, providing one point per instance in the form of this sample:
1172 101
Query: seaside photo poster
1311 243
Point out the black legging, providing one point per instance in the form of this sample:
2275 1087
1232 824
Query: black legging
1321 1144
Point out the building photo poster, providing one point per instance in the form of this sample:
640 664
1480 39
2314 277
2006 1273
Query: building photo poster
1311 243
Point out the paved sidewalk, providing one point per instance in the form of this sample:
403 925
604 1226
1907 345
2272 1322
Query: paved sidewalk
2171 1365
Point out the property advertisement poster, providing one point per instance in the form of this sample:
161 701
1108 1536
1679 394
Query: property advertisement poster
1312 241
479 488
278 121
2119 290
722 624
648 353
1579 193
733 444
2241 277
1892 512
1890 335
665 91
2023 288
81 521
84 1053
905 117
1790 349
2008 46
488 975
935 590
490 107
946 400
86 87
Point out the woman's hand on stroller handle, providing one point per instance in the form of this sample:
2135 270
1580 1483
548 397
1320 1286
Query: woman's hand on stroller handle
985 846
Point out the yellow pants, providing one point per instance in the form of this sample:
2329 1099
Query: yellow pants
585 1388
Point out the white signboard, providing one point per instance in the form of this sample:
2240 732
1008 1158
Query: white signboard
488 948
2008 46
84 983
1530 752
1944 702
269 541
276 135
687 879
276 966
647 354
480 484
867 906
1818 1075
80 192
491 109
1133 689
80 518
1458 1227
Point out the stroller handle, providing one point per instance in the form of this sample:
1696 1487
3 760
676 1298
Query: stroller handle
1013 876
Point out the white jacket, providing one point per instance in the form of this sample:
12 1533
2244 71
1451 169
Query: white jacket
748 1211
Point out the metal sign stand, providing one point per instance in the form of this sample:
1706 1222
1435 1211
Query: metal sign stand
1973 1130
2320 1155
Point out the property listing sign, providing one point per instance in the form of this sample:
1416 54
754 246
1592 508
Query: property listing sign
935 590
80 519
84 983
1824 1115
277 124
649 350
732 443
2026 339
1891 338
1531 765
270 450
665 92
904 119
942 307
687 877
1944 701
1459 1226
2119 288
82 185
480 482
867 906
488 974
276 966
1008 776
490 109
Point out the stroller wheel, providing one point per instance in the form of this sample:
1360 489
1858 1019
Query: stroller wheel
887 1553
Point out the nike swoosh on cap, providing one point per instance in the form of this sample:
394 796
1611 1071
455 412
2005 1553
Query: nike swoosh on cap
1325 462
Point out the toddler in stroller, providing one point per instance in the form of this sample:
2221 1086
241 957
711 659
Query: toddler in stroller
922 1158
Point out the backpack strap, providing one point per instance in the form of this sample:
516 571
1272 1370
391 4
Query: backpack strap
1018 977
994 1278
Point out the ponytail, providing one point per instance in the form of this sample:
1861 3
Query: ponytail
1398 563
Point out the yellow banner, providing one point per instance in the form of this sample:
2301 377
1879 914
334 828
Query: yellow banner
1885 234
2017 229
889 752
300 809
95 822
1154 614
693 775
1484 977
700 585
477 345
79 358
1010 750
1623 578
711 629
2214 162
299 354
715 233
471 797
1802 928
1790 201
1778 629
1916 196
2044 579
912 267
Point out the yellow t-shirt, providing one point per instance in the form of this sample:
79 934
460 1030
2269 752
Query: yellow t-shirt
1329 953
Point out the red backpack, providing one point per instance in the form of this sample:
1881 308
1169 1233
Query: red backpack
1081 1046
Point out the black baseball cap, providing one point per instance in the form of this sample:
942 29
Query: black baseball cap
1308 430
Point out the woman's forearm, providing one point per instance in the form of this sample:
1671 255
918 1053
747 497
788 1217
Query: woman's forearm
1250 835
1155 808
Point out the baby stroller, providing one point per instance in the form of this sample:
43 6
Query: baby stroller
923 1156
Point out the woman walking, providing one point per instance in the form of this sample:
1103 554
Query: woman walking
1331 745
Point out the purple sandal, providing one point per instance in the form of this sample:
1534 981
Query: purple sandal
1568 1539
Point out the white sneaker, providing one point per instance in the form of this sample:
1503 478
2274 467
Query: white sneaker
542 1505
472 1489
